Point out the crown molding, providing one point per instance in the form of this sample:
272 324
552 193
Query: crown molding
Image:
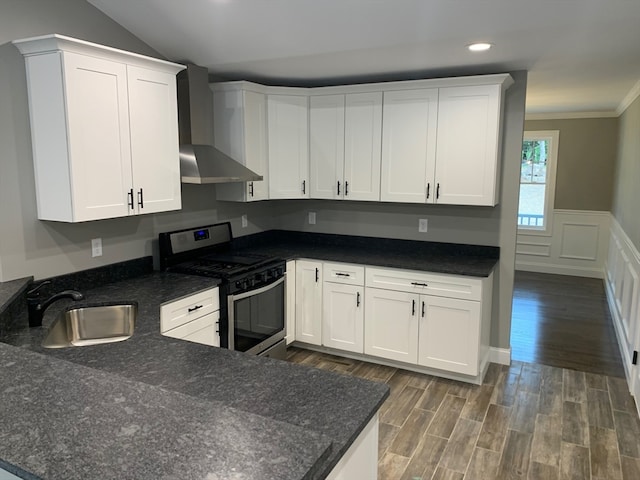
570 115
629 98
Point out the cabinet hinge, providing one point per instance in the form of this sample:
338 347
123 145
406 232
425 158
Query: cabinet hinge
634 361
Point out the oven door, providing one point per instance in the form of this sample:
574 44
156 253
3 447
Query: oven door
256 318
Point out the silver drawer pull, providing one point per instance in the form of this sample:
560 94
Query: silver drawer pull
418 284
197 307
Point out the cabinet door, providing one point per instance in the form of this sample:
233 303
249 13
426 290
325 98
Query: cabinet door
154 140
204 330
326 146
309 302
343 317
363 144
391 320
468 145
98 137
255 128
288 146
240 131
409 145
449 334
290 295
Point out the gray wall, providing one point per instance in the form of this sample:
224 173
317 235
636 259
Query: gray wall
627 176
586 161
31 247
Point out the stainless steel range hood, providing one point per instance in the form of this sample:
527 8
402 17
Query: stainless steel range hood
200 161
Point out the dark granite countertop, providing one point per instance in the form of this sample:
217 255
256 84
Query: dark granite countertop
323 406
80 423
451 258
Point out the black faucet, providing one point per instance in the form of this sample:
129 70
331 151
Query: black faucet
36 306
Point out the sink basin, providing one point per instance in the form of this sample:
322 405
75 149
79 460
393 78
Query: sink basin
92 325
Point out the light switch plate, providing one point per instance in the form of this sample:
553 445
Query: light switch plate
96 247
312 218
422 225
244 221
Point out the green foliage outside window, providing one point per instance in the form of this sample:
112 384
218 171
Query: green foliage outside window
534 151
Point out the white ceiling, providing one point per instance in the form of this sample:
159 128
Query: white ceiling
582 55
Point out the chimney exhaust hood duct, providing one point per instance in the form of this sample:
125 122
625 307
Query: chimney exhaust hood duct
200 161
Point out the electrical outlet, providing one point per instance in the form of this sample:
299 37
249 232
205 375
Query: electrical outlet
244 221
422 225
96 247
312 218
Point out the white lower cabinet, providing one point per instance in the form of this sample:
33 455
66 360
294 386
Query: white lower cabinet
309 302
203 330
449 333
343 307
290 306
391 321
437 323
194 318
361 459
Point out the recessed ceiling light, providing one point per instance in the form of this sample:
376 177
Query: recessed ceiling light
479 47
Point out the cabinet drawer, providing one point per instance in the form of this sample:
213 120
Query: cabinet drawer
201 330
179 312
452 286
343 273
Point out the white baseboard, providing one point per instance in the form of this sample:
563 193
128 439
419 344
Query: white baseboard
560 269
500 355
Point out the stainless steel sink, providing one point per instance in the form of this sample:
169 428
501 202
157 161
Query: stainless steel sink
91 325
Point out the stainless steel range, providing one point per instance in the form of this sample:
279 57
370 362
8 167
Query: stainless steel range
252 293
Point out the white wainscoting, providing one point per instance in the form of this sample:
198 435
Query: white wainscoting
623 295
576 245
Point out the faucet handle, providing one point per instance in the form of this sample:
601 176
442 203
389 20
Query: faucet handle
34 292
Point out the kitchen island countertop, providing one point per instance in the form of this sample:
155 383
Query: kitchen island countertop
307 417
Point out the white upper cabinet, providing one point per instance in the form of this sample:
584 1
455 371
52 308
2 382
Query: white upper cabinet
468 145
422 141
443 145
154 139
362 148
326 146
344 144
409 145
288 138
104 130
240 131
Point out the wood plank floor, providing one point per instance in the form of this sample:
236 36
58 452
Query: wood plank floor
564 322
527 421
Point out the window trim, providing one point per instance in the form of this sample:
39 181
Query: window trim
553 136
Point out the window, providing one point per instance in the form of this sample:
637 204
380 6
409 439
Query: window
537 181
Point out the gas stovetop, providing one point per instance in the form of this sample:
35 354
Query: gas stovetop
207 251
223 265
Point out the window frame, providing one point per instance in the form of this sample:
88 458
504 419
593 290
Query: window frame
553 137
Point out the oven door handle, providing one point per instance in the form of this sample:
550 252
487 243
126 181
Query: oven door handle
257 291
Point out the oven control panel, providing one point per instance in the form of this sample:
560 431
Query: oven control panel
257 278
